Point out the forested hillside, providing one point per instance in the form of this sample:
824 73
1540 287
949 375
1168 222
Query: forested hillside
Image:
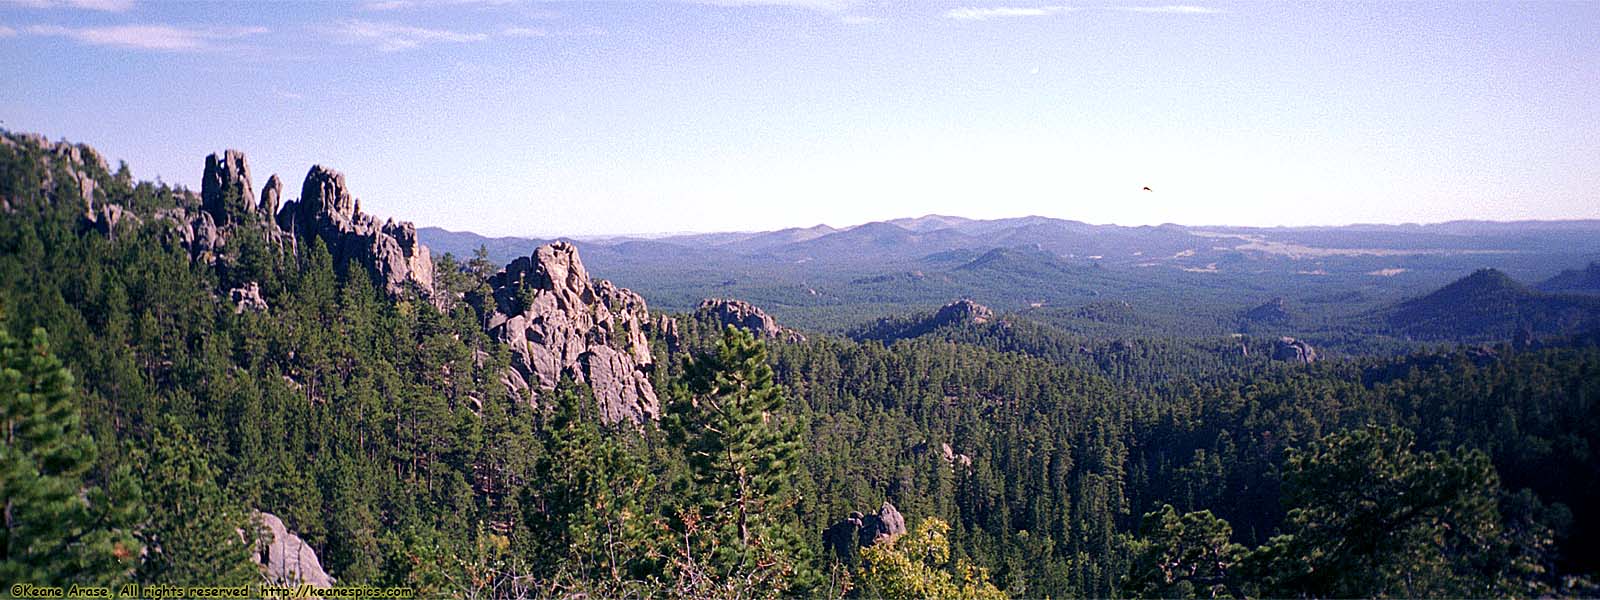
178 368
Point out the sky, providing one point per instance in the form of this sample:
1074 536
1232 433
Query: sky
529 118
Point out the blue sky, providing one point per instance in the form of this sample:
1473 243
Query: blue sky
585 118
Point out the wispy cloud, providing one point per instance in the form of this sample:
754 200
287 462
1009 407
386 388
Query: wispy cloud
392 37
148 37
101 5
383 5
822 5
982 13
7 31
859 20
1002 12
1181 9
525 32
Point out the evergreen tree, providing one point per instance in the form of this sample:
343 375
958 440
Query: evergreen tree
739 534
1373 517
58 529
198 535
586 508
1182 556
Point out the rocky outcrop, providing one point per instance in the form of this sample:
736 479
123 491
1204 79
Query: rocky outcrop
745 315
666 328
248 298
1274 311
963 311
271 196
846 537
560 323
227 176
946 451
80 163
1292 350
285 559
327 210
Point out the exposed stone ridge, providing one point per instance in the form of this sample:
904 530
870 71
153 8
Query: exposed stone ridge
559 322
326 209
226 173
1293 350
203 224
963 311
82 164
744 315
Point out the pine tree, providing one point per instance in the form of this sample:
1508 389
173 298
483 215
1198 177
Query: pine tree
1373 517
197 536
586 508
1182 556
740 529
58 530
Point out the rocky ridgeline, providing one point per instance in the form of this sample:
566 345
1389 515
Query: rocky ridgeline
745 315
82 166
559 322
556 320
963 311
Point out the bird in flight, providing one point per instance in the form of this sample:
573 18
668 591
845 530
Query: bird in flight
1147 189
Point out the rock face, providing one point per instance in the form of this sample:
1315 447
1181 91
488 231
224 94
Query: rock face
666 328
285 558
82 164
857 531
963 311
744 315
271 195
327 210
1293 350
558 322
1275 310
226 175
946 451
246 298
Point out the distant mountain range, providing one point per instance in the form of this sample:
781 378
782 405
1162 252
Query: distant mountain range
1490 305
1153 279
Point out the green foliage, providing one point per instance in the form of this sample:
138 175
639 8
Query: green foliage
1183 556
918 564
586 506
738 531
59 528
1373 517
378 428
199 535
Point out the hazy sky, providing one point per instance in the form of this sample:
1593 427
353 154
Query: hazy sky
539 118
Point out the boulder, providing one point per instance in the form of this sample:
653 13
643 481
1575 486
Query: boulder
1292 350
285 559
886 524
845 537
